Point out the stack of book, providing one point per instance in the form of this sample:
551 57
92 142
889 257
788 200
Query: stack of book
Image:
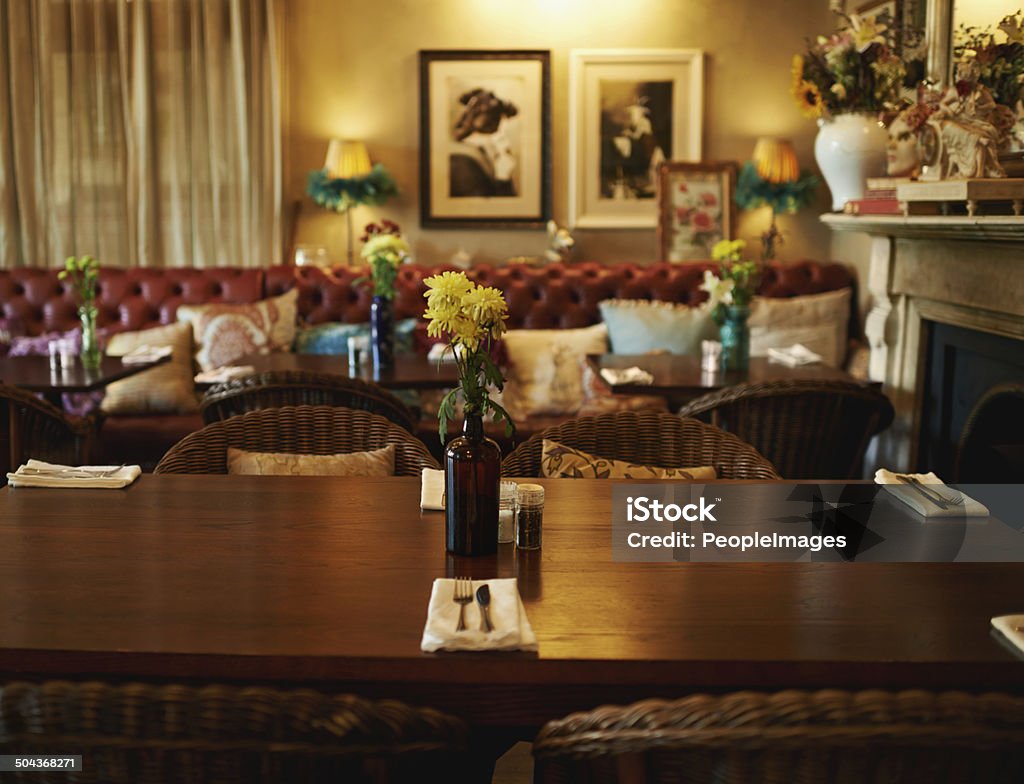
879 197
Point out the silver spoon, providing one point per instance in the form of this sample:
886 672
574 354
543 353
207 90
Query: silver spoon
483 598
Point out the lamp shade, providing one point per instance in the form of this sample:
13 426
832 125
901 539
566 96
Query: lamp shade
775 160
347 159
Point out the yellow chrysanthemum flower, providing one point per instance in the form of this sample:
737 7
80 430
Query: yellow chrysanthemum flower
808 98
485 306
728 250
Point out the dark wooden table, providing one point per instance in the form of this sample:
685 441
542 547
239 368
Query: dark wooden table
411 371
680 378
35 375
325 582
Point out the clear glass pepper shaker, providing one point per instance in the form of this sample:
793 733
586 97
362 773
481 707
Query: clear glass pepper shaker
529 516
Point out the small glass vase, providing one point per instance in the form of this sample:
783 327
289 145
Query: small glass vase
735 336
382 332
472 476
91 355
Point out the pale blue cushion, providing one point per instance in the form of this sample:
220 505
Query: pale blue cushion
637 326
332 337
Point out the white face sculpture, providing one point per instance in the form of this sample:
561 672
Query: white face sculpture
902 155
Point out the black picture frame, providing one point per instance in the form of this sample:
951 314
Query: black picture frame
485 138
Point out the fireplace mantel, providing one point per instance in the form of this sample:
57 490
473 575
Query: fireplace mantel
1007 228
958 270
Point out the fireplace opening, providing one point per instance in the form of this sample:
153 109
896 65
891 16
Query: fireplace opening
972 420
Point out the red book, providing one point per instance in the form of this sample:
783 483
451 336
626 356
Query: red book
873 207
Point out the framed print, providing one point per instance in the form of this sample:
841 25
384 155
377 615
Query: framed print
695 208
629 111
485 139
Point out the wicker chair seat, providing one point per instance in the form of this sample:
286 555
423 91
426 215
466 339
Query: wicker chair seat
43 431
315 430
646 437
838 737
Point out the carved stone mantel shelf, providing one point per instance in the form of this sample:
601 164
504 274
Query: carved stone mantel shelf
957 270
1007 228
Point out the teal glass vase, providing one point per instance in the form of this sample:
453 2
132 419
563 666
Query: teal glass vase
735 337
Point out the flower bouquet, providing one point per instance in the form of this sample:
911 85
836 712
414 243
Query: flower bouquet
729 295
384 249
853 70
84 273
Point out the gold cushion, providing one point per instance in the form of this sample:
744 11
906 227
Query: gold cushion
226 333
558 461
164 389
378 462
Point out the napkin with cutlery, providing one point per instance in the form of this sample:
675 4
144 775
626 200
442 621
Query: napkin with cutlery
140 355
794 356
931 497
1011 627
432 489
36 473
226 373
512 630
630 375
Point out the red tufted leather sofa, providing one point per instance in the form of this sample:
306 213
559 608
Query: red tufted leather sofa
553 296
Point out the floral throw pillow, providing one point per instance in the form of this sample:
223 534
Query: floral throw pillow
223 334
558 461
377 462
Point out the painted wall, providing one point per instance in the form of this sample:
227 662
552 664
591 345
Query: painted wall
351 70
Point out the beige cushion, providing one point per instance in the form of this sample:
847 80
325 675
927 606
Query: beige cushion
164 389
818 321
378 462
544 375
225 333
558 461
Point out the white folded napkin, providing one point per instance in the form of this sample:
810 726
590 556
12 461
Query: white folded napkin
143 354
432 489
794 356
630 375
441 351
965 506
1008 625
36 473
512 630
226 373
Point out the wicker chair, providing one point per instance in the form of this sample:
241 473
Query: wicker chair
43 431
317 430
277 388
991 448
838 737
809 429
647 437
132 733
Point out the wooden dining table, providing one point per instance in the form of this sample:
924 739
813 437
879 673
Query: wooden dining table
324 582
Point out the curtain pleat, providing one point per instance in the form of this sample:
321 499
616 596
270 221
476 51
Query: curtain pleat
145 133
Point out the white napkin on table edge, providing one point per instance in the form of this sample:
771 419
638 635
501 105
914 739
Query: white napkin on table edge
145 353
441 351
1006 625
793 356
512 630
226 373
432 489
912 498
122 478
630 375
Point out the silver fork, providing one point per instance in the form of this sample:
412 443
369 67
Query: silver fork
462 596
74 473
932 495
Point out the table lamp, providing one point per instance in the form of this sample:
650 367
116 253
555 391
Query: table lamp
773 178
349 179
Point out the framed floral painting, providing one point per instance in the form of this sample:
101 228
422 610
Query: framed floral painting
485 139
630 110
696 208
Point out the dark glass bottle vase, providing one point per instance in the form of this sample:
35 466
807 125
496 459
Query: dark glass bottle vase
472 475
382 332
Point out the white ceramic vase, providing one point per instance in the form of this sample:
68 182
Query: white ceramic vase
850 148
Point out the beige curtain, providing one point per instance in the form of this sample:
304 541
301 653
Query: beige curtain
143 132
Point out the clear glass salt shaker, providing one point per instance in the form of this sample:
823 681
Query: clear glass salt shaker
507 512
529 516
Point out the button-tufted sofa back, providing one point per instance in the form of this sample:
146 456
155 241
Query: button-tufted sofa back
556 295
